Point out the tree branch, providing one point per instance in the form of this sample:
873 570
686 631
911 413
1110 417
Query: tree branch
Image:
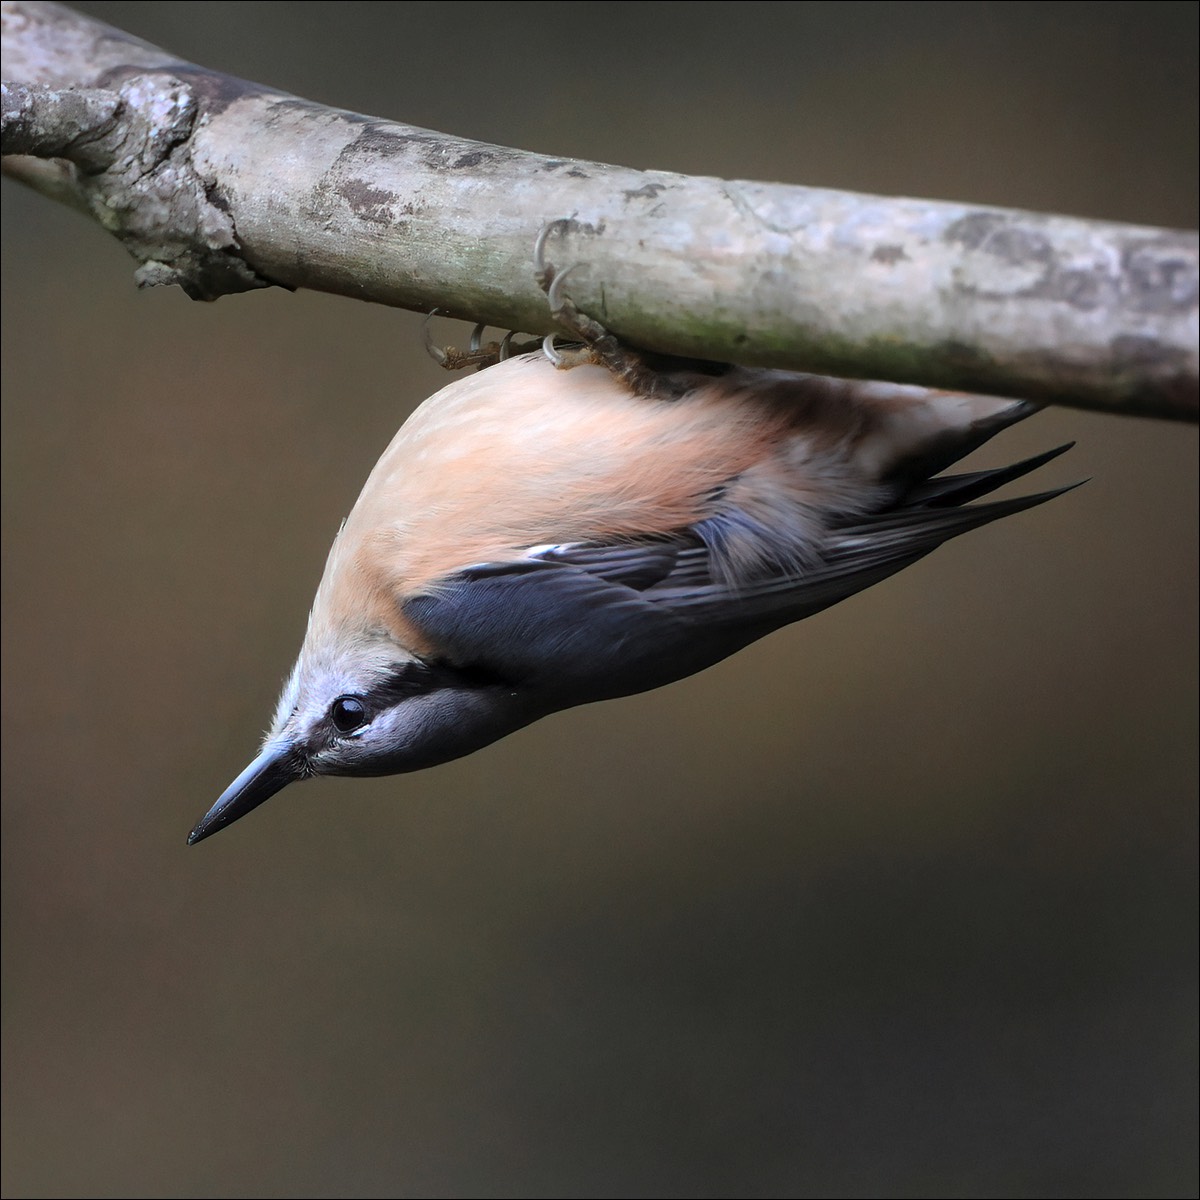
220 185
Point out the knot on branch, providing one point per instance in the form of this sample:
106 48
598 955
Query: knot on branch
127 156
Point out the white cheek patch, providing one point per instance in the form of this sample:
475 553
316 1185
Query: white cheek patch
287 703
346 668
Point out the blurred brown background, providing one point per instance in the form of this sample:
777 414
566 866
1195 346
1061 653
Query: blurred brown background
900 902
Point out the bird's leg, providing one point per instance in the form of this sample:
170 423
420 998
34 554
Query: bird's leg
479 354
597 345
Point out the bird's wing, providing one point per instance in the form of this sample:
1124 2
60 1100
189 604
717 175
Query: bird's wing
605 619
676 575
676 571
551 626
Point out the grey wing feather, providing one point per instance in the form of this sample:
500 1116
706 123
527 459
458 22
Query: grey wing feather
594 620
853 557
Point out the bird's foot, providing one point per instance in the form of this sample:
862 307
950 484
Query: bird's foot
479 354
593 343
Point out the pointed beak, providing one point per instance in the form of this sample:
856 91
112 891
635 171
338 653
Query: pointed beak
276 766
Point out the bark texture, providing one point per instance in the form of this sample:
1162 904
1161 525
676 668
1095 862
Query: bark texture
221 185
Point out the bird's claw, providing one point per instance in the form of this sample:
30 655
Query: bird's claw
479 354
594 343
590 342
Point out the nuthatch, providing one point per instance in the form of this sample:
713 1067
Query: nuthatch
536 538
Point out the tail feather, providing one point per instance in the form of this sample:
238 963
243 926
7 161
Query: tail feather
943 451
946 490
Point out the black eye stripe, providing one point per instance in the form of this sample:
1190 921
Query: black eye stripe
404 680
417 677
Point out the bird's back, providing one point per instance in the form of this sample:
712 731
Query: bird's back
525 455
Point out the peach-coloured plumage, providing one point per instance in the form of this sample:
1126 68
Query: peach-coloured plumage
578 458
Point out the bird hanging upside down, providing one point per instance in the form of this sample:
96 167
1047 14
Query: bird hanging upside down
537 538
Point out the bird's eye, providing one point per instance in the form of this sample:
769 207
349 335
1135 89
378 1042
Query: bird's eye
348 713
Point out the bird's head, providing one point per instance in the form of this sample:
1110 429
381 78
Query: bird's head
361 704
